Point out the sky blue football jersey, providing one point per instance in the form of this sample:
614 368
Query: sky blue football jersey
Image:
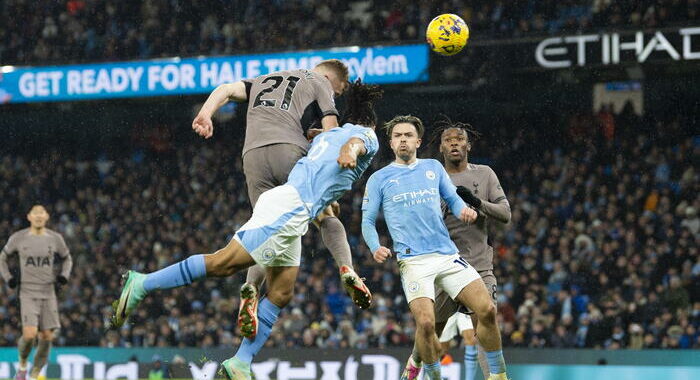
410 197
318 177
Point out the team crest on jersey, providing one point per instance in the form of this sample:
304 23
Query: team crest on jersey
413 287
268 254
430 174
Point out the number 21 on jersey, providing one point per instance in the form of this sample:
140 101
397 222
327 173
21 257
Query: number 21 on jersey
276 82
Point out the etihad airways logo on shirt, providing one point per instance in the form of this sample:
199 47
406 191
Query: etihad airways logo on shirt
417 196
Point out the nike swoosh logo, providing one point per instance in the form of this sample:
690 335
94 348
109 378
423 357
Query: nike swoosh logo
126 302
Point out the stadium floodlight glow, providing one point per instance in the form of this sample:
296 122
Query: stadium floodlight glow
7 69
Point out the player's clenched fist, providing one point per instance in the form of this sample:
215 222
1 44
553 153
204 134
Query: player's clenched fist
203 126
468 215
381 254
347 160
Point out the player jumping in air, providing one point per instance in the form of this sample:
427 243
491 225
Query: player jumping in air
272 236
479 186
36 247
409 191
280 105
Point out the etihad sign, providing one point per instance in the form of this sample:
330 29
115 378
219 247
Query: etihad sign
612 48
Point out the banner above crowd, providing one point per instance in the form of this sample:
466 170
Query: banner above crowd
175 76
615 48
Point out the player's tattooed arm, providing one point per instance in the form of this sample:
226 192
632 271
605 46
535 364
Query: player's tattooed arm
349 152
237 92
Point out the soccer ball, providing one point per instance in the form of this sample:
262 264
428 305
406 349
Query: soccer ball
447 34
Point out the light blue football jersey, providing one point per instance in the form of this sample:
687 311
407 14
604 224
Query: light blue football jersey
318 177
410 197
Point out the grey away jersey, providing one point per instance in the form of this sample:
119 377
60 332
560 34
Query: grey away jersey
36 258
471 240
277 102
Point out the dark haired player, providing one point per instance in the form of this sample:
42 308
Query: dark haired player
36 247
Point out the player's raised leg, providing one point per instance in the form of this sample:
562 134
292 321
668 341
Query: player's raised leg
224 262
476 297
248 309
280 290
336 240
426 339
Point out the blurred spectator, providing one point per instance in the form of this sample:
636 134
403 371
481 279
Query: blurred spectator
50 31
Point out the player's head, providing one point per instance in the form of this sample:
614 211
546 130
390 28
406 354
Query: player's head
336 72
359 104
405 135
38 216
455 141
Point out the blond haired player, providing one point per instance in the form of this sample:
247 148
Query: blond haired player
280 105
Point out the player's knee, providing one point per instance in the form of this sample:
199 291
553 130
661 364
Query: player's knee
487 313
426 326
222 263
280 297
444 347
469 338
46 335
29 335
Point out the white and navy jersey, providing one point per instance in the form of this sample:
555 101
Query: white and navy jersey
410 197
318 177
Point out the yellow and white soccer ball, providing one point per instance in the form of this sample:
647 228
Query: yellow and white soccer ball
447 34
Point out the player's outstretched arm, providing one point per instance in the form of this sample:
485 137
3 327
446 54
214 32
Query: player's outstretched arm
236 92
349 152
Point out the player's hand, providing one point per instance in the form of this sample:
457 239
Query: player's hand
61 280
381 254
203 126
468 215
12 283
468 197
347 160
313 132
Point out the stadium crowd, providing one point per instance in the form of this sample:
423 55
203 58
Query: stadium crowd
602 249
53 31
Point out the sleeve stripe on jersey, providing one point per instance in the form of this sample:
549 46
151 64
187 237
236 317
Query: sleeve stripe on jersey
499 199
